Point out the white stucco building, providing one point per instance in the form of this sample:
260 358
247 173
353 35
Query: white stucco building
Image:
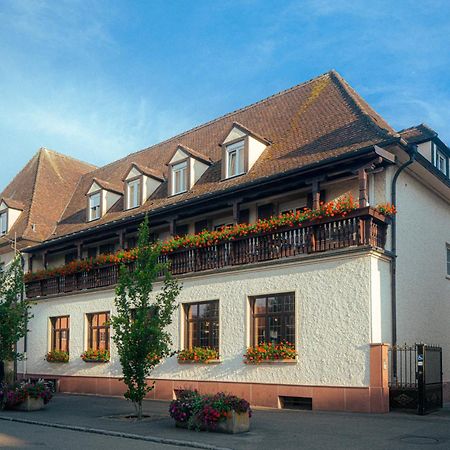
336 287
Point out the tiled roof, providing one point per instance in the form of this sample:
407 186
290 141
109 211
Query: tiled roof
43 189
316 120
146 171
418 133
194 153
117 188
11 203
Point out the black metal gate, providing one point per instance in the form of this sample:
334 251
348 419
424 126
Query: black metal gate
415 378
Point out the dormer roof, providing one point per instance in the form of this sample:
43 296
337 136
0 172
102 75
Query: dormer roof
246 131
152 173
107 186
192 153
11 203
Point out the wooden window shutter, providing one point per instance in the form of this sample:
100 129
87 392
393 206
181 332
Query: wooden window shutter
266 211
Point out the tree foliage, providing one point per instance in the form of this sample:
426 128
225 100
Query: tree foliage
14 310
140 324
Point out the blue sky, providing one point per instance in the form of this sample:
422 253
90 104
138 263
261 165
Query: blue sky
100 79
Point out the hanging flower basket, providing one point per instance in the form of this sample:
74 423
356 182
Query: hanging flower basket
57 356
90 355
269 353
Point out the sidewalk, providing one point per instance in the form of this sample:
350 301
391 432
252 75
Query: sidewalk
270 429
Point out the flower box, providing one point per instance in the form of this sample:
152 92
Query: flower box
56 356
271 362
30 404
208 361
101 356
87 360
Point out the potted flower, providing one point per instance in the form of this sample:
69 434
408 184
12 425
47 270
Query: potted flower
220 412
202 355
267 352
57 356
99 355
25 396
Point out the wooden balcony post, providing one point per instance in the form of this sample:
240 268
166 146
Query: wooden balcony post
236 211
172 226
44 260
362 177
79 250
121 235
315 194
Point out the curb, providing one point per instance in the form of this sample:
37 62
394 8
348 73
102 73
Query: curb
137 437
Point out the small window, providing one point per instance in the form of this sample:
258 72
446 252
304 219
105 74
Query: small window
107 249
60 333
3 223
202 324
441 162
94 206
92 252
98 331
273 318
69 257
235 159
448 260
179 175
134 193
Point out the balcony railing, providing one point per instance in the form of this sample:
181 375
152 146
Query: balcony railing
363 227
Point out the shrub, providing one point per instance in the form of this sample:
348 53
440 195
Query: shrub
204 412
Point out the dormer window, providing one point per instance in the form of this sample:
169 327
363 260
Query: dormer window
179 178
3 223
241 148
440 159
134 193
95 206
235 159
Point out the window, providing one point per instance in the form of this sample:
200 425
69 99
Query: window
134 193
60 333
69 257
448 260
3 223
273 318
202 324
94 206
441 162
222 225
235 159
107 249
179 172
98 331
92 252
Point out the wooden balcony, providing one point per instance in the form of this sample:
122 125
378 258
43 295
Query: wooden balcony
360 228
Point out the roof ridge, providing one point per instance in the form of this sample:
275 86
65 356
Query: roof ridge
356 100
422 124
229 114
63 155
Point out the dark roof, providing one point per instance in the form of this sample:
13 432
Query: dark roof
316 120
418 133
43 189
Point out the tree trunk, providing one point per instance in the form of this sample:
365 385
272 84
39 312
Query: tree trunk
140 410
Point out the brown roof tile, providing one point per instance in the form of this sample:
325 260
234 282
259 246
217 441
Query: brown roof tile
417 133
316 120
43 188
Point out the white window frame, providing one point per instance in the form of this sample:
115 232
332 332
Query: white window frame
440 157
181 169
95 210
238 149
3 222
134 186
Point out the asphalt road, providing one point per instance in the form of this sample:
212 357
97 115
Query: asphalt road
15 435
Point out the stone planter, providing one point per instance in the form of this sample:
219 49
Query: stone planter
233 424
30 404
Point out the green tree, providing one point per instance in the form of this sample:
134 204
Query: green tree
140 325
14 311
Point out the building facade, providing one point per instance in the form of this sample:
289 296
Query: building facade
336 287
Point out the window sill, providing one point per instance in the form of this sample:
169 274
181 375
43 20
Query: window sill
275 362
57 362
209 361
233 177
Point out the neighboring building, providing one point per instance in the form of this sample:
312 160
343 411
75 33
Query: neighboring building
325 287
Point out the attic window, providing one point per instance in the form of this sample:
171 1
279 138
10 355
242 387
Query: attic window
179 178
235 159
441 162
3 223
94 206
134 193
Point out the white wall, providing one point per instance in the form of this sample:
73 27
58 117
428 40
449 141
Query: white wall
423 290
333 324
